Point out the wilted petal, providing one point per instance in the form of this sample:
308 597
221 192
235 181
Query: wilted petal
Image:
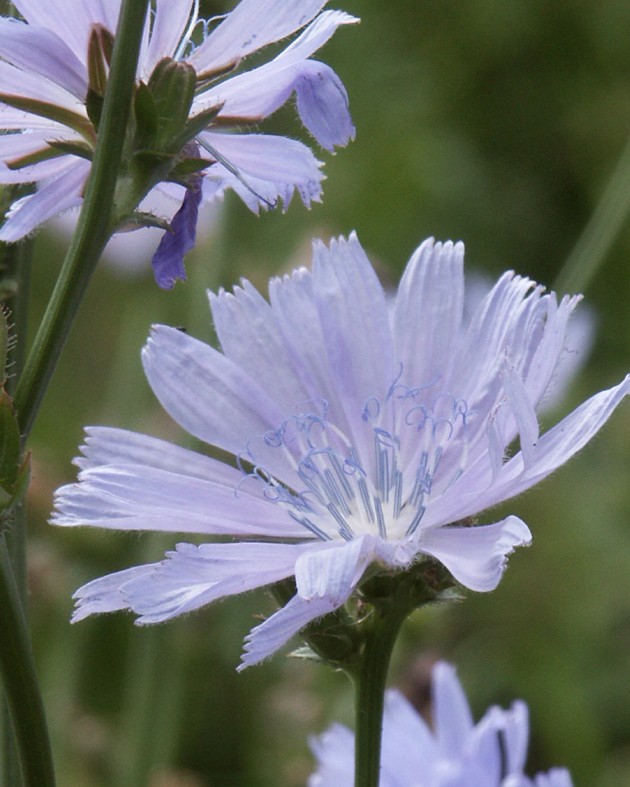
168 260
322 104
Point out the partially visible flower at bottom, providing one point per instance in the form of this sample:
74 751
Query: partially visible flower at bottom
365 439
455 753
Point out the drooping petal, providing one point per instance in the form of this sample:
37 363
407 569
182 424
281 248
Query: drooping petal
322 104
267 169
250 26
331 750
476 556
51 198
194 576
265 639
258 93
168 260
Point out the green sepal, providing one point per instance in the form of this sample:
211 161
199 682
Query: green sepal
99 58
76 148
146 117
43 154
52 112
189 166
196 125
172 85
94 107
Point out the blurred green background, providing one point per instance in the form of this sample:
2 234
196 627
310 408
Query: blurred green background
499 122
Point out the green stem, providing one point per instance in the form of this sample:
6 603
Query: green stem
370 677
600 232
95 226
20 683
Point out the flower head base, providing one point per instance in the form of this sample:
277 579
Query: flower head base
456 753
55 71
366 439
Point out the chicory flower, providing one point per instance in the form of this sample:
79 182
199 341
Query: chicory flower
53 70
455 753
366 437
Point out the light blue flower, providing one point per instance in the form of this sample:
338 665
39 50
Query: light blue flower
365 438
46 63
455 753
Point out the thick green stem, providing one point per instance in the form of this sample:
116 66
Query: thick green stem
95 225
600 232
20 683
370 678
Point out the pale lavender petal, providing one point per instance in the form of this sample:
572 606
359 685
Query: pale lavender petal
408 744
14 146
170 22
51 198
249 336
355 327
73 28
28 84
555 447
139 497
194 576
429 303
476 556
334 751
556 777
516 734
105 594
258 93
212 398
42 52
250 26
168 260
322 104
333 571
270 169
277 630
453 719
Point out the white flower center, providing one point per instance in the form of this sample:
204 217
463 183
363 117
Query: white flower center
341 494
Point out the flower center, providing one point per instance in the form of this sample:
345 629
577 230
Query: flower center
407 456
